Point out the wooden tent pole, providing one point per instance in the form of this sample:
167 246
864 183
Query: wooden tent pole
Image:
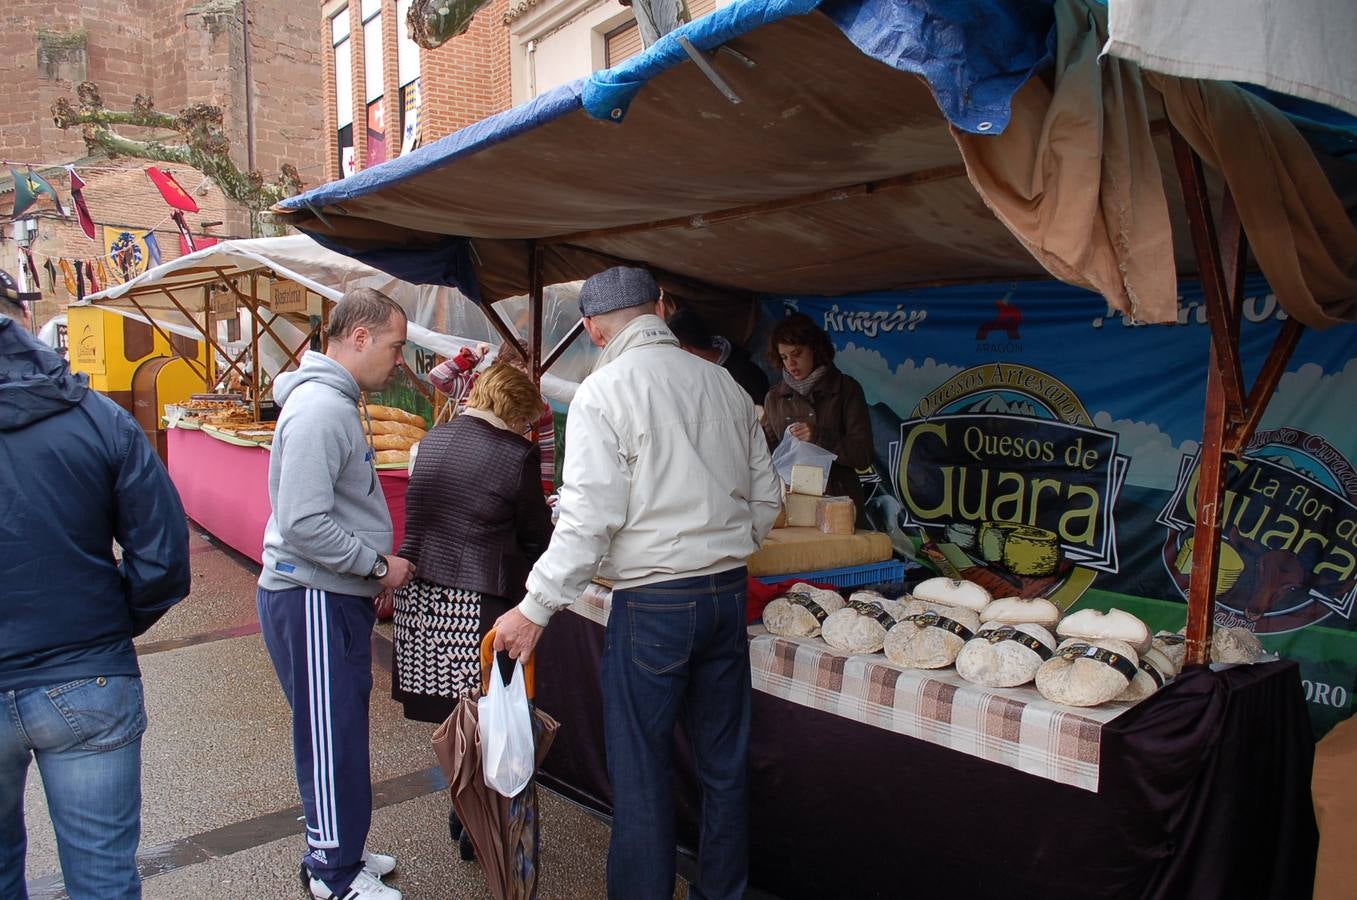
256 368
1223 290
536 261
211 381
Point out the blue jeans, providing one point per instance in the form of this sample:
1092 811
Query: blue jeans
86 735
677 645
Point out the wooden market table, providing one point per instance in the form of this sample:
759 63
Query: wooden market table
225 488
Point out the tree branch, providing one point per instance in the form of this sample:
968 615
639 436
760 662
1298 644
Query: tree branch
205 146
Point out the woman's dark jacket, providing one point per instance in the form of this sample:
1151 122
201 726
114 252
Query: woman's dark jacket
475 517
836 411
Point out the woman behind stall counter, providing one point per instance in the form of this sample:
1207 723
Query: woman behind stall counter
820 404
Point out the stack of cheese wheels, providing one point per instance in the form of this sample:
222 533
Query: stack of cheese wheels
392 432
861 626
1098 660
941 615
1011 645
801 611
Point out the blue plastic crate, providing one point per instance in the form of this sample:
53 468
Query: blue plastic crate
848 576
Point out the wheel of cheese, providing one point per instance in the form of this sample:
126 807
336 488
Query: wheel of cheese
1229 568
1019 611
1235 645
1080 681
963 534
993 537
953 592
1031 552
800 612
991 660
927 637
855 631
1093 624
1156 670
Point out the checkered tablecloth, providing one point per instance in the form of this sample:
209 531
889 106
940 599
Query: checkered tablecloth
1014 727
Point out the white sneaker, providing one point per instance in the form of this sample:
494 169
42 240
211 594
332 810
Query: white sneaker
365 887
379 864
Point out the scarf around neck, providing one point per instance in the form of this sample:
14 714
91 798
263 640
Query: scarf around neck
803 387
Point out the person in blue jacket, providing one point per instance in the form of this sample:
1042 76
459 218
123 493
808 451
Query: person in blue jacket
76 475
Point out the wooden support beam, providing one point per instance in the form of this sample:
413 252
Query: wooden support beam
536 258
1213 278
257 377
498 323
1241 433
562 345
207 335
192 363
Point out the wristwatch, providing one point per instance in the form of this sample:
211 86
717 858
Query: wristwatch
379 568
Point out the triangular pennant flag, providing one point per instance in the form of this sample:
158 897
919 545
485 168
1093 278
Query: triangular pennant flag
79 279
32 269
51 276
82 212
89 274
174 195
104 275
68 275
41 185
152 247
24 197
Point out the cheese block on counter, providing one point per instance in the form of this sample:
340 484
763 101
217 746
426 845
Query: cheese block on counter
801 510
808 480
789 550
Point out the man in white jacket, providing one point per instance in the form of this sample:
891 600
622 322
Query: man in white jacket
668 488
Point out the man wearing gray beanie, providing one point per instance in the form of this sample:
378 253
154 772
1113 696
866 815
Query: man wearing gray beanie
667 489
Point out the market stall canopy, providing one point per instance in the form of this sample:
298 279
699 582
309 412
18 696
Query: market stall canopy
175 294
840 170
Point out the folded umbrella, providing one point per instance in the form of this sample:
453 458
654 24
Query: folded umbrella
504 830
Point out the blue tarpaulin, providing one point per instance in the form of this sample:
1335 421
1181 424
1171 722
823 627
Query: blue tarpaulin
974 55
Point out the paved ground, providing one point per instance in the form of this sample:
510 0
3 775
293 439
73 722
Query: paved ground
220 809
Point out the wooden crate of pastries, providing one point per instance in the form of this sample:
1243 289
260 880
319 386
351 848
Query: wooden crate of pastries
392 432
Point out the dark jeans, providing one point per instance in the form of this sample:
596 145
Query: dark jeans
677 645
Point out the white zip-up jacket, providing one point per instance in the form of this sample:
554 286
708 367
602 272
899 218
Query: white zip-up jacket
666 474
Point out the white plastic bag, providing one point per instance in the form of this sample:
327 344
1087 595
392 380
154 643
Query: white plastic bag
505 722
796 452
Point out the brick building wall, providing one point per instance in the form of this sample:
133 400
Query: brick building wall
462 82
179 52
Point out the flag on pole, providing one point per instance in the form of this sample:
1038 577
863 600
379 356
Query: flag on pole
82 211
174 195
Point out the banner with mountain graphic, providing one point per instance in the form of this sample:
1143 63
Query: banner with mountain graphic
1040 445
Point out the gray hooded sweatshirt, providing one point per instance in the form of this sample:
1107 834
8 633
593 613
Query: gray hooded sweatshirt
330 519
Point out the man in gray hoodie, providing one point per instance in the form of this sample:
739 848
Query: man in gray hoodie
327 554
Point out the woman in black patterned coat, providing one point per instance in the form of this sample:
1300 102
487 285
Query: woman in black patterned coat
475 522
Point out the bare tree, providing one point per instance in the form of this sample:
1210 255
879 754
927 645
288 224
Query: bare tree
201 142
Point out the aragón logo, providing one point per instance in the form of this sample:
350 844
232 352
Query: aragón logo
1288 555
1003 470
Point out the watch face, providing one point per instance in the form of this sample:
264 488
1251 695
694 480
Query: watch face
380 569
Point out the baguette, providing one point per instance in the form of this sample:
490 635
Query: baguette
392 456
393 442
392 414
383 426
